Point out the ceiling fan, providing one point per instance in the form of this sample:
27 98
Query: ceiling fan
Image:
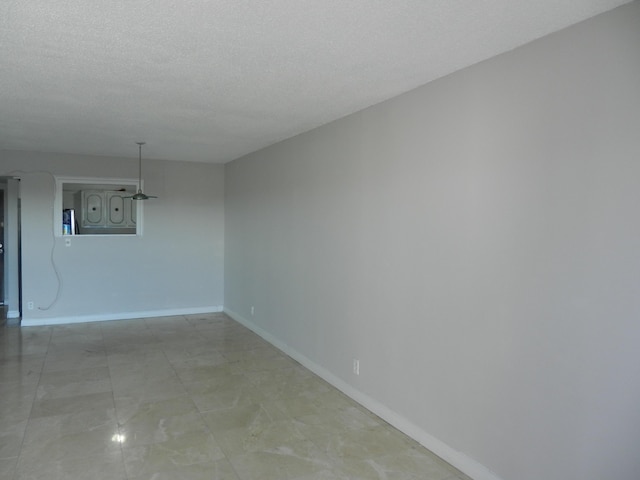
140 195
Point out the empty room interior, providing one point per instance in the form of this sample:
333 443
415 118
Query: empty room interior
320 240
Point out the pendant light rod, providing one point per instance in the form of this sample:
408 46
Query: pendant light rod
140 144
140 195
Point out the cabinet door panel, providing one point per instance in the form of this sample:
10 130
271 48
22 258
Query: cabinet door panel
116 209
93 208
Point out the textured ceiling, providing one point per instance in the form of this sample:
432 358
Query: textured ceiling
210 81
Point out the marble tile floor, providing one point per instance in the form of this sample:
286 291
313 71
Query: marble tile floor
184 397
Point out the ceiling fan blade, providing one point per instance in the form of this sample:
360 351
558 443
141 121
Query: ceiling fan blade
140 196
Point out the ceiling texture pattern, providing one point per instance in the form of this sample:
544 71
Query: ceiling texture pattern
210 81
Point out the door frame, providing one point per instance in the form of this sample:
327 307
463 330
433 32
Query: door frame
10 187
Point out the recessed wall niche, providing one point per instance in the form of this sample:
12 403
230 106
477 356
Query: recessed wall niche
96 206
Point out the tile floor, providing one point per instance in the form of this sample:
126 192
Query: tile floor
184 397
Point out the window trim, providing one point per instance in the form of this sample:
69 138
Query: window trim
98 181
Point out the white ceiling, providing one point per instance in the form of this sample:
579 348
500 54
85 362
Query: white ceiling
210 81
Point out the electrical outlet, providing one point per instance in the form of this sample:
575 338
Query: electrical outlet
30 305
252 310
67 242
356 366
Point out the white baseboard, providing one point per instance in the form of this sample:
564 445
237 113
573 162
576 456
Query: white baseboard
457 459
13 314
32 322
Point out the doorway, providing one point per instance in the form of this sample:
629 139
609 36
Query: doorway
10 246
2 242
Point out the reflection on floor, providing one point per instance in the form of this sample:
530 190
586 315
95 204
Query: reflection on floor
185 397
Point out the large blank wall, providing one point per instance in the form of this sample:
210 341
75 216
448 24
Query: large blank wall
475 243
175 266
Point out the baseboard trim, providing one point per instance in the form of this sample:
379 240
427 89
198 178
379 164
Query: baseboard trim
32 322
13 314
457 459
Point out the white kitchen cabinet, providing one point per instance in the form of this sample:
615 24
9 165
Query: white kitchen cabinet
121 211
92 208
104 209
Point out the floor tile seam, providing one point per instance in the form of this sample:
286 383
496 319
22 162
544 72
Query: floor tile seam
196 410
221 433
15 455
69 373
175 372
122 458
148 322
33 401
214 435
184 383
227 456
287 474
187 393
176 468
113 400
323 446
121 425
46 353
233 467
24 435
78 368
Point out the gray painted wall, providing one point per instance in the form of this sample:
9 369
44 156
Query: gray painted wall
175 266
475 244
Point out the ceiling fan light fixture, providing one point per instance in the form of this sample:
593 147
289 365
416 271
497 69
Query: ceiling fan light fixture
139 195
